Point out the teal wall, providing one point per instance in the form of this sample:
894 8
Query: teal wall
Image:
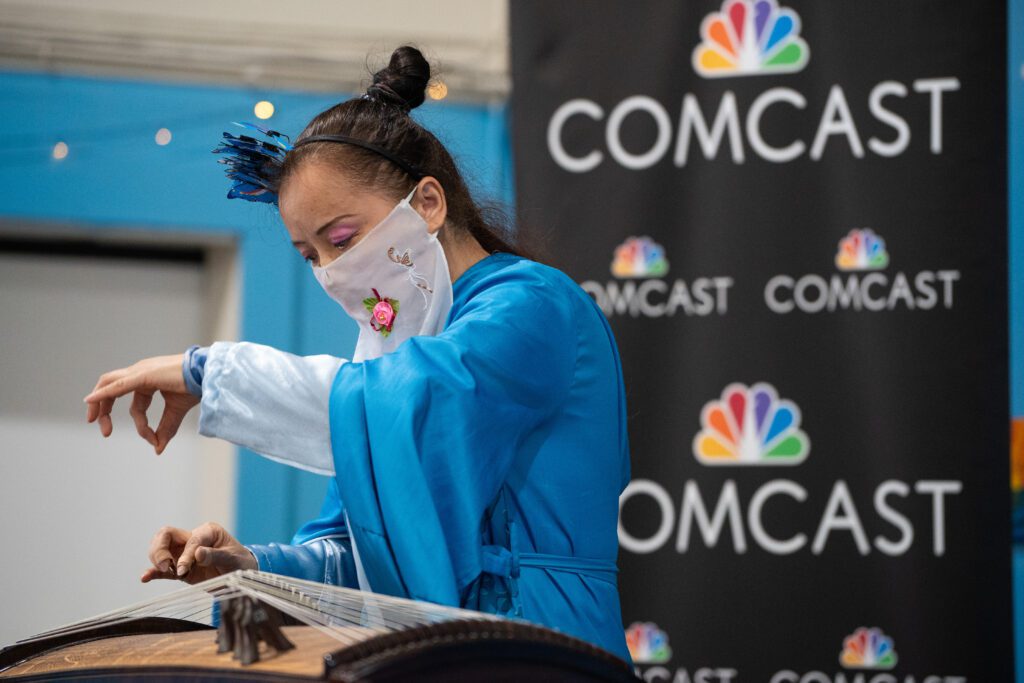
116 178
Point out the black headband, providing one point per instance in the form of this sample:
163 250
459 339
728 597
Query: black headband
397 161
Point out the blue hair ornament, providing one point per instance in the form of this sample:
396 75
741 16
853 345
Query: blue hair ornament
253 165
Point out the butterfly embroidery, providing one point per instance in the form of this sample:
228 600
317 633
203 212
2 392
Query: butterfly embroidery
414 277
403 260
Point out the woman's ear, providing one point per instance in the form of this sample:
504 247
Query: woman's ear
429 201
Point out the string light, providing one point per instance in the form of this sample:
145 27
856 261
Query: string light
60 150
163 136
437 90
263 109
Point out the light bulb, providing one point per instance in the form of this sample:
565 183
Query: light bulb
263 109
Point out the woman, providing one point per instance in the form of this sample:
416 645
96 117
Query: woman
477 438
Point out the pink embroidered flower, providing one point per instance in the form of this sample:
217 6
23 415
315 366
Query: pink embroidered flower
383 311
384 314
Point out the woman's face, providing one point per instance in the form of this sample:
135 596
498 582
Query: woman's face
326 213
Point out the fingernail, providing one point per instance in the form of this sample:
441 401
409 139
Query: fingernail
164 566
182 570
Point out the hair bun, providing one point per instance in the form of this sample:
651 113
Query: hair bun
403 81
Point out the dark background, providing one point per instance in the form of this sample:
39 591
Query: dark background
902 394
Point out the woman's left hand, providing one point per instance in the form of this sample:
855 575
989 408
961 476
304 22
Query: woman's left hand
145 378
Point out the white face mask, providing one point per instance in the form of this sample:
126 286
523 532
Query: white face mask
394 282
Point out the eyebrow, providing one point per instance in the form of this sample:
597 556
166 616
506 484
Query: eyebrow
325 226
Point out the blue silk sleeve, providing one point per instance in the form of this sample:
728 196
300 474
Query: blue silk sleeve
330 523
320 551
327 560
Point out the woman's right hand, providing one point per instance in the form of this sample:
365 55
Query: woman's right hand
193 556
143 379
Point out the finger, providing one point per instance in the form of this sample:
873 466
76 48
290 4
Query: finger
108 377
105 379
140 403
96 406
216 557
118 387
170 421
160 547
154 573
94 410
201 536
106 423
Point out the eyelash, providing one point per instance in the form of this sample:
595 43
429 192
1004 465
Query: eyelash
337 245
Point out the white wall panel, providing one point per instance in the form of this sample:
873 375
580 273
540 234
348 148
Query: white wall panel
76 510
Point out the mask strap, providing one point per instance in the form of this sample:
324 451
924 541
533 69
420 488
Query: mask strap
408 197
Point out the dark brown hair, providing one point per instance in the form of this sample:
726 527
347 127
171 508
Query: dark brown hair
381 118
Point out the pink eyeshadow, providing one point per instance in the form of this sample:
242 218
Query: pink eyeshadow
340 233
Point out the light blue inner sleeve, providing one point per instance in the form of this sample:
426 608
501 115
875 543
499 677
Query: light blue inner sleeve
271 402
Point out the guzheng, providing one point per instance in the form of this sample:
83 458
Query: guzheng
256 626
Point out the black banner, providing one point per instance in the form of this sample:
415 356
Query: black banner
794 214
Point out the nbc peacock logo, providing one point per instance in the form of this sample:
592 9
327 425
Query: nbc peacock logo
639 257
750 37
647 643
868 648
862 249
750 426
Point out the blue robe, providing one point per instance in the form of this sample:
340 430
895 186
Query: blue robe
482 467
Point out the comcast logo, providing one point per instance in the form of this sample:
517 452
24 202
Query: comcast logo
639 257
750 37
647 643
868 648
750 426
862 249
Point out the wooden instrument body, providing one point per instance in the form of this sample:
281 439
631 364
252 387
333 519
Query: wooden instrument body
170 650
